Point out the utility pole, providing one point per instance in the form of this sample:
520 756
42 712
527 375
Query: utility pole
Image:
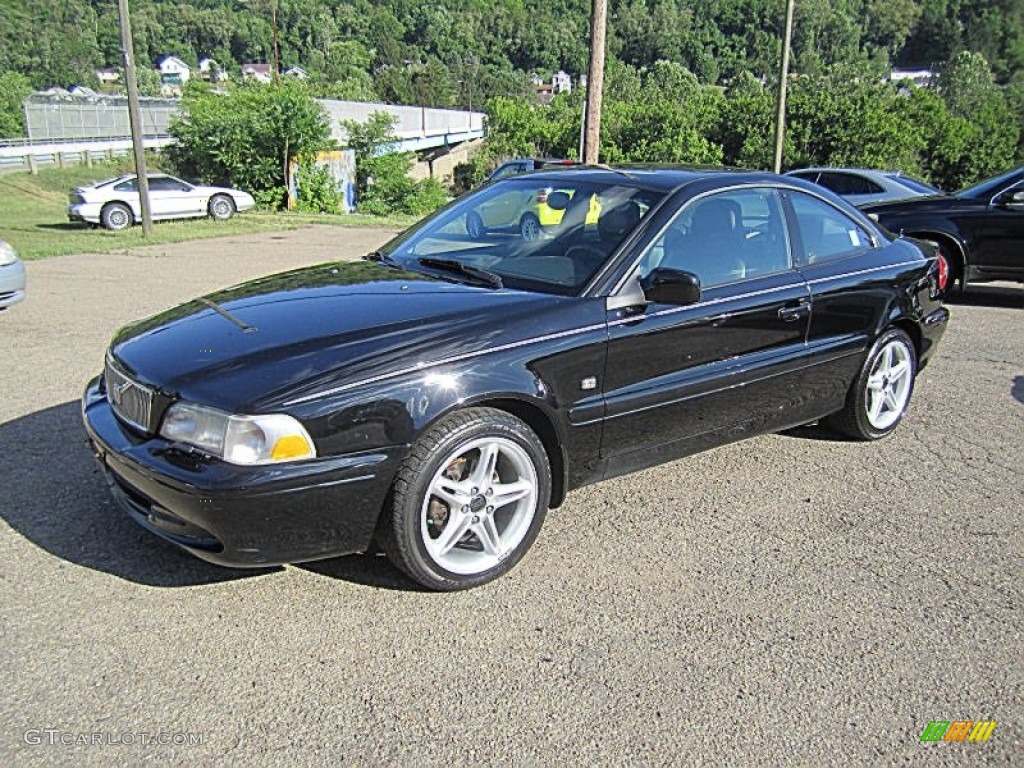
277 55
135 116
780 119
595 82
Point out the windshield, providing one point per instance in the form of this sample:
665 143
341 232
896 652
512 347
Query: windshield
990 187
533 233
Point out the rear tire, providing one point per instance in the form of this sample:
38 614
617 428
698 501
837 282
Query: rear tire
880 395
117 216
468 501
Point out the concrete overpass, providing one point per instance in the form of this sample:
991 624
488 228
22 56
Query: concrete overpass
67 132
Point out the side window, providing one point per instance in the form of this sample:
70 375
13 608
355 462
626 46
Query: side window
849 184
826 232
166 184
127 186
509 169
725 237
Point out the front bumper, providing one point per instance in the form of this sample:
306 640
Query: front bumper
12 284
240 516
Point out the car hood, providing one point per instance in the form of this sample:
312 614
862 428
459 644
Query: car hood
253 347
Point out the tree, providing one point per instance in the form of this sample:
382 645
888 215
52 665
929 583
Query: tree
247 137
14 88
382 174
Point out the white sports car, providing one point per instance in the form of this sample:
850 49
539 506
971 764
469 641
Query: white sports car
114 203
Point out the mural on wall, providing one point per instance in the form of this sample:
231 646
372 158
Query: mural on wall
341 165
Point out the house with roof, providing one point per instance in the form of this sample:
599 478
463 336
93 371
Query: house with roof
296 71
209 70
259 72
561 82
108 76
173 71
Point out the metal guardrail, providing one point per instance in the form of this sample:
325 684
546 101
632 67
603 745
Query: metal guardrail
32 156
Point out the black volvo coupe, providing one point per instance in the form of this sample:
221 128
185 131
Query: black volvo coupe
440 395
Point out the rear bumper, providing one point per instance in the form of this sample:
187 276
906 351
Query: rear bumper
87 212
240 516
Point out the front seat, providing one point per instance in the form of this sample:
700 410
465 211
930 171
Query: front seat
612 228
712 248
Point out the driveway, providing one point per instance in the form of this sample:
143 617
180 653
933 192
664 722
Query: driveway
792 599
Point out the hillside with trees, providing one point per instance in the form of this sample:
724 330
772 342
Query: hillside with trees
458 53
688 80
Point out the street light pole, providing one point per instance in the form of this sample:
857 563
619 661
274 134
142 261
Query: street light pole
595 82
135 116
780 119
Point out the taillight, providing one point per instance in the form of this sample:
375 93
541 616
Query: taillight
943 271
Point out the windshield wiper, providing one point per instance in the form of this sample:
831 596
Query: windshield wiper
451 265
381 258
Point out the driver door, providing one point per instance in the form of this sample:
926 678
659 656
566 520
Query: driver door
680 379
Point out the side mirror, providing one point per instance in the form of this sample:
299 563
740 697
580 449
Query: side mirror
671 286
1013 199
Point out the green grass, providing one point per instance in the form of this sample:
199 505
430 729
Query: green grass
33 218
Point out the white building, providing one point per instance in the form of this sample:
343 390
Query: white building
173 71
561 82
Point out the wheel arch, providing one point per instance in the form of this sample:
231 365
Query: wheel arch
540 422
947 242
135 214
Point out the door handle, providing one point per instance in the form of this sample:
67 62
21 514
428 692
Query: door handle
793 312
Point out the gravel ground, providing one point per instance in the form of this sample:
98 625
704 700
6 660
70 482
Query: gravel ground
793 599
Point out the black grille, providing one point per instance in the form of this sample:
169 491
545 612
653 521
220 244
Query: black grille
131 401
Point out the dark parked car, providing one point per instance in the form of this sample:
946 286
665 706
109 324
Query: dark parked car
526 164
861 186
441 395
980 230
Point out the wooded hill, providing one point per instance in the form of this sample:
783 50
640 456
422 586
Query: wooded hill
457 53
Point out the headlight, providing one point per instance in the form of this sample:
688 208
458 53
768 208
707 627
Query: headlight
266 439
7 254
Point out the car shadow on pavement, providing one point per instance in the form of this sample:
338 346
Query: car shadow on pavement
372 569
816 431
1009 297
54 495
1017 390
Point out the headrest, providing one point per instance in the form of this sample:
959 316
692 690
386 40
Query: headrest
716 217
616 222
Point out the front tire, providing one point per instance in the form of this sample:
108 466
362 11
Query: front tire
117 216
221 207
880 395
468 501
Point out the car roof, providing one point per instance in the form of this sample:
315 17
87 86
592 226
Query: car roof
650 176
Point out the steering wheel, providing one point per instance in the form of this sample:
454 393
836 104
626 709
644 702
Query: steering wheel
586 259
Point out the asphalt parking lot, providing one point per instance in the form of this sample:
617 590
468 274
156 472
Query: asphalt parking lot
794 599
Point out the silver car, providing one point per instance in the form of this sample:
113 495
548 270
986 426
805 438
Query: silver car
864 185
114 203
12 277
